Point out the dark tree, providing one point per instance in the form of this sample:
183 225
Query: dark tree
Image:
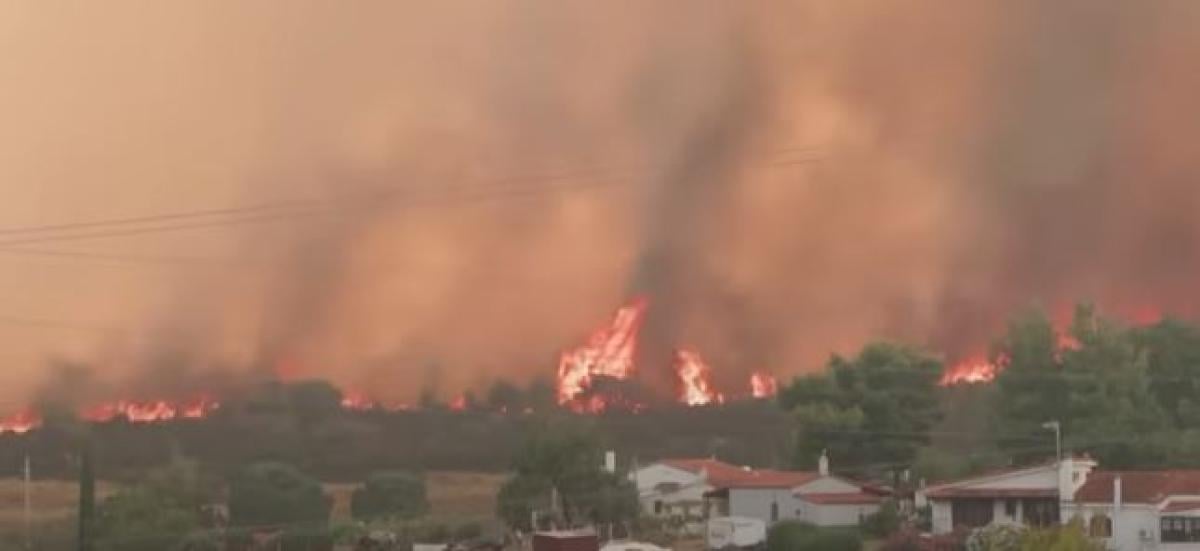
389 494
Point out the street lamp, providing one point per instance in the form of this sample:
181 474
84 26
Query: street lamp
1057 428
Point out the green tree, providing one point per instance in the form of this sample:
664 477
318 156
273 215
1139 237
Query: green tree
875 408
1172 353
1070 537
505 396
278 495
313 401
792 535
566 462
160 512
1092 380
389 494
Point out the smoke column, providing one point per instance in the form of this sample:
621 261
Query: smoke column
783 180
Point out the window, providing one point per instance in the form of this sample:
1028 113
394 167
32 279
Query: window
971 513
1180 529
1100 526
774 512
1010 508
1040 512
658 507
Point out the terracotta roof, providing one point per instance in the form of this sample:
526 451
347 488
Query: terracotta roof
948 493
724 475
1138 486
847 498
718 473
766 478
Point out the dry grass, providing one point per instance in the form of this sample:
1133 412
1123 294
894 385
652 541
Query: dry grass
455 495
51 500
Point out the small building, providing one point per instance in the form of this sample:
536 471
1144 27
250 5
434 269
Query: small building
1030 496
1141 510
818 497
675 488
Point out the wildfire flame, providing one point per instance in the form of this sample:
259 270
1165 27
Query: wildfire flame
762 384
608 352
970 371
695 388
21 422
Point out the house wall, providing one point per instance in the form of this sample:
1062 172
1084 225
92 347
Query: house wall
1129 525
940 509
837 515
756 503
646 478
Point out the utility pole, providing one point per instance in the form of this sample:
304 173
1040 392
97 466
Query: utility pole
87 495
27 475
1057 428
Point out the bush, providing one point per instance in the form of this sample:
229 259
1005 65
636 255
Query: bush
997 537
793 535
389 494
884 522
903 540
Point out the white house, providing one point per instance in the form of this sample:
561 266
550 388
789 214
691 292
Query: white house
815 497
675 488
1128 510
1030 496
1141 510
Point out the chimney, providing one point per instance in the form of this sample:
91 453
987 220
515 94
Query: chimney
1117 494
610 462
823 464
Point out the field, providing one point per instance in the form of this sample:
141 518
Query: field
452 496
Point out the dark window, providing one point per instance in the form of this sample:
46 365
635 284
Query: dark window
971 513
1040 512
1010 508
658 507
1100 527
1180 529
774 512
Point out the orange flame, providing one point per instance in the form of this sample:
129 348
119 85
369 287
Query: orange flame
151 410
970 371
762 384
21 422
608 352
695 388
459 403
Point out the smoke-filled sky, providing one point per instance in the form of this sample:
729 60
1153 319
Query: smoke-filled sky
452 192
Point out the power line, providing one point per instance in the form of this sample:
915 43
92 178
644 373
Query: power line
283 210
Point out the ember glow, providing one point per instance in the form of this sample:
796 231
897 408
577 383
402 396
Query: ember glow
762 384
150 411
21 422
608 352
695 388
970 371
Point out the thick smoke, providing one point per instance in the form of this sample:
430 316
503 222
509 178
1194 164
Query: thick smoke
460 190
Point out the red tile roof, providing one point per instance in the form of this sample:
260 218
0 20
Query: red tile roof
848 498
1138 486
718 473
724 475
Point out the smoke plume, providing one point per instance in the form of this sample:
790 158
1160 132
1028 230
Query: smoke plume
453 192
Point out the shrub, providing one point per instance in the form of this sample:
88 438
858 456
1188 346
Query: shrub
884 522
801 536
389 494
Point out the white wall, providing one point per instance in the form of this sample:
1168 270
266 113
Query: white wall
1128 524
650 476
756 503
941 516
837 515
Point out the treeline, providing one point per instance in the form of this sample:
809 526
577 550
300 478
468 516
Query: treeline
303 424
1128 395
